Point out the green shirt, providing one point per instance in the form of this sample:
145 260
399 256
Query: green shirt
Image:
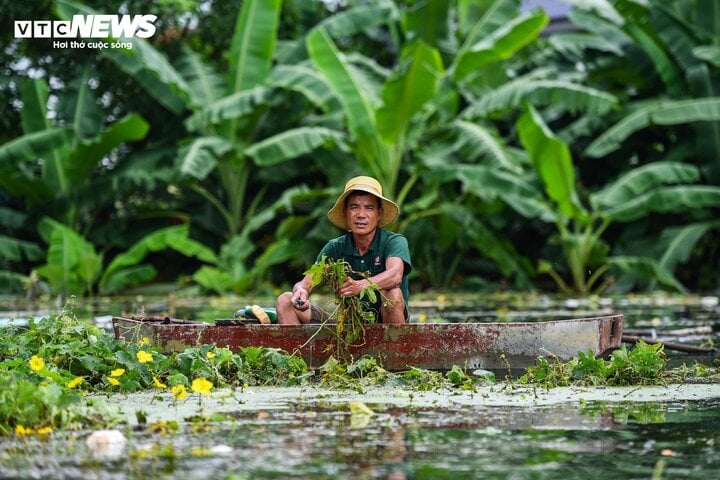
384 245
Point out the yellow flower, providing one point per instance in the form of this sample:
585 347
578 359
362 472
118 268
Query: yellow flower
144 341
201 386
144 357
113 381
158 383
118 372
75 382
20 430
179 392
45 430
37 363
210 355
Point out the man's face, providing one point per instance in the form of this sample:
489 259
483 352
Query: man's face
362 213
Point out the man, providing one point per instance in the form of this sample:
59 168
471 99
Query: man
368 248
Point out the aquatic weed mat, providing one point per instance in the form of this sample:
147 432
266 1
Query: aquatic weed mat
313 433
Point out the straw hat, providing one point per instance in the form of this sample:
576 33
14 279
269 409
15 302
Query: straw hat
390 210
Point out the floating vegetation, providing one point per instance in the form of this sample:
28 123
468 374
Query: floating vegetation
644 364
53 371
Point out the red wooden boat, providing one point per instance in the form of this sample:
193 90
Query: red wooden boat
432 346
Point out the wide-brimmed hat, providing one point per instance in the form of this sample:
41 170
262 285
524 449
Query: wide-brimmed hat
390 209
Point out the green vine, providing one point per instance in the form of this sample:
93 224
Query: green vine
350 317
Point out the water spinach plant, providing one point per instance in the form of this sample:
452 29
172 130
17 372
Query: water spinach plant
350 315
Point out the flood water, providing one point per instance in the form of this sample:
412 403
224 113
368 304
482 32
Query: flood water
571 438
569 441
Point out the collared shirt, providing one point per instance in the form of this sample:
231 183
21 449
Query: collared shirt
384 245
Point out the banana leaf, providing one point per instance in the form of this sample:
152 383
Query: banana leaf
294 143
542 92
675 199
502 43
641 180
551 157
665 113
408 89
231 107
253 44
199 157
336 70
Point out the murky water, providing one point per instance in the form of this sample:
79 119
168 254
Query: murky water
577 438
632 440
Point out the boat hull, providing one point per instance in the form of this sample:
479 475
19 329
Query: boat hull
435 346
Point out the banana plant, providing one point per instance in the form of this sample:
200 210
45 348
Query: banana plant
387 120
658 187
52 162
74 266
663 51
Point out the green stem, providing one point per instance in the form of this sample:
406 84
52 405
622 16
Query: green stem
215 202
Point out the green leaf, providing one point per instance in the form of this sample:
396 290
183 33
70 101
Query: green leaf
81 108
498 14
649 268
148 66
292 144
502 43
253 44
358 19
679 243
230 107
214 279
666 200
408 89
542 92
34 145
665 113
204 84
486 144
72 263
200 157
337 72
427 21
709 53
126 277
15 249
85 157
175 238
551 157
304 80
34 94
642 179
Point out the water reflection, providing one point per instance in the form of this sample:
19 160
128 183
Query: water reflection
316 442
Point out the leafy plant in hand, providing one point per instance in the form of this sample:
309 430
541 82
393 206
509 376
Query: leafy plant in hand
350 315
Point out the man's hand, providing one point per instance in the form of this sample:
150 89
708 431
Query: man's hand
351 287
299 299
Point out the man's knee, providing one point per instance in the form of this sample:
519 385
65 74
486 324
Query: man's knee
284 298
393 308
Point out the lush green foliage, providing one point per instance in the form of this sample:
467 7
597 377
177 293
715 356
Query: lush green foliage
642 365
242 122
49 369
